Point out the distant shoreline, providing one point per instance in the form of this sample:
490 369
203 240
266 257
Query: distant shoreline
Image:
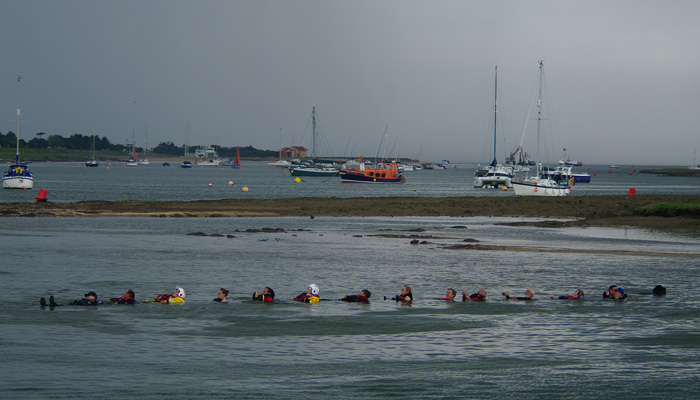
584 211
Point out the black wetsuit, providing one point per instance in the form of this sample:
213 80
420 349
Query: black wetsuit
355 298
84 302
518 298
121 300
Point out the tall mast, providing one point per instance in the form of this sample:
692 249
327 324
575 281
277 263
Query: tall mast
17 153
315 134
495 117
539 116
187 139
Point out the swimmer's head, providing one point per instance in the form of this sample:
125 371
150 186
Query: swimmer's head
313 288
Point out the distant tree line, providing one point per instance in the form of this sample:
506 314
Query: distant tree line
74 142
80 142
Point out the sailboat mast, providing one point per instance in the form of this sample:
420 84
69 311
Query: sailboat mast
495 116
17 153
187 139
539 116
315 133
145 141
93 140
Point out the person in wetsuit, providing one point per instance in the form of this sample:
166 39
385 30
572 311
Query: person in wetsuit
578 295
450 295
176 297
127 298
90 299
478 296
658 290
529 294
406 296
221 296
267 295
615 292
362 297
311 294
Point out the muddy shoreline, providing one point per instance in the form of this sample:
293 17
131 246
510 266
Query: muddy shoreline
582 211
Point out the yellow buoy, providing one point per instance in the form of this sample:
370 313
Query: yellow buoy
244 189
230 183
504 188
297 179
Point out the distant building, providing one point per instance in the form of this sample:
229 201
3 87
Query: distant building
293 152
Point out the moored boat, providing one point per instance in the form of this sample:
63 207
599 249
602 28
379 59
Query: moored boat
565 172
382 173
237 161
93 161
539 184
314 170
280 163
494 175
18 175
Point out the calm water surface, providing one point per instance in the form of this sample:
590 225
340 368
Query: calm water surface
68 182
643 347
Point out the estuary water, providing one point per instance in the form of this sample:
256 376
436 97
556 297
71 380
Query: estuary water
69 182
642 347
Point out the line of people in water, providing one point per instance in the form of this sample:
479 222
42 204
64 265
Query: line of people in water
311 295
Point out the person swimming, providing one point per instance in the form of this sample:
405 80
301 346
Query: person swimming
450 295
478 296
529 294
405 297
362 297
176 297
221 296
267 295
578 295
311 294
90 299
127 298
658 290
615 292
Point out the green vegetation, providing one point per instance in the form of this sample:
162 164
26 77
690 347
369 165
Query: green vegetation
26 154
688 209
77 147
673 172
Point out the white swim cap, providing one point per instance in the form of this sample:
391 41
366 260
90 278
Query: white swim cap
314 288
180 292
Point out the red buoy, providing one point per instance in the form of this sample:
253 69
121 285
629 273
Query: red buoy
42 196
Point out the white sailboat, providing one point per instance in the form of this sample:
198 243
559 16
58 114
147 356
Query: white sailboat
134 160
494 175
539 185
18 175
93 161
695 164
145 161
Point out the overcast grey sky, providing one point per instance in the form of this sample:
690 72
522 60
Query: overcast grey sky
623 76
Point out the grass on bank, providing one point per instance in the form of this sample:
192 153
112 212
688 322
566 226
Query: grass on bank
687 209
687 172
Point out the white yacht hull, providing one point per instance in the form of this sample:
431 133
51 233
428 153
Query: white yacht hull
18 183
492 182
540 187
